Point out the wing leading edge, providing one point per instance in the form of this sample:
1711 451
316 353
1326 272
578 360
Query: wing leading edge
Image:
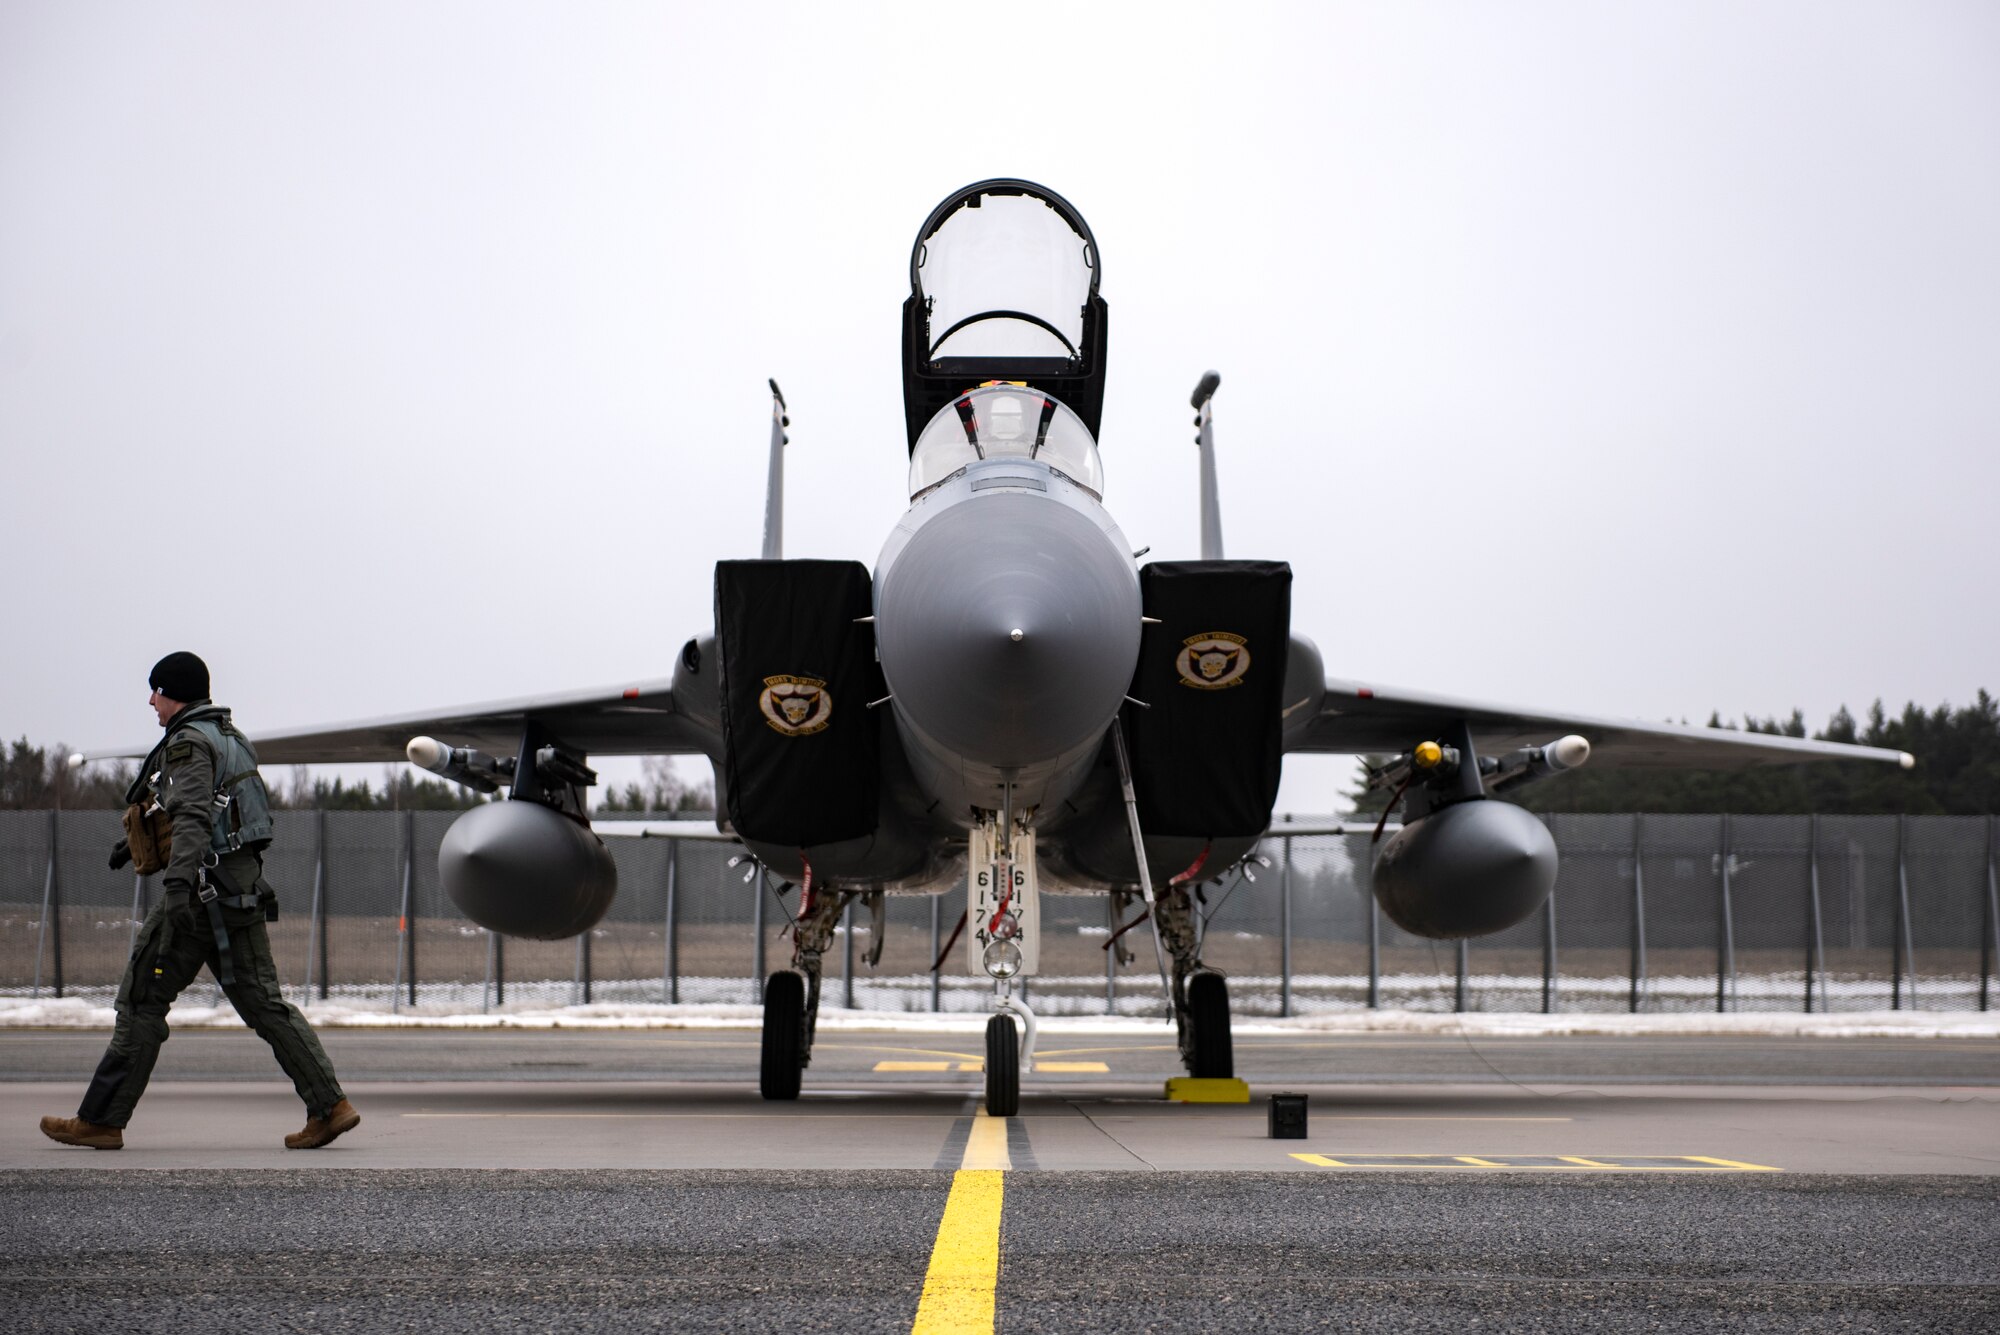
645 719
1355 718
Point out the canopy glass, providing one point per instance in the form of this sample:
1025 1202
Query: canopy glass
1005 421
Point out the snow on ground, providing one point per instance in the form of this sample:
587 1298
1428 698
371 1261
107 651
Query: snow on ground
190 1012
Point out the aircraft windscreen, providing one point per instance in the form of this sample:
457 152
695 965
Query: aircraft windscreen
1005 276
1005 422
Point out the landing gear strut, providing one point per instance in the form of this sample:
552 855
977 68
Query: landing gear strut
1200 996
791 997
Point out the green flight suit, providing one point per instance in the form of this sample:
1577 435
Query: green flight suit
178 938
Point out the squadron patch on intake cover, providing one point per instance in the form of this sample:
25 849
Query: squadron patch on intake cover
796 706
1213 661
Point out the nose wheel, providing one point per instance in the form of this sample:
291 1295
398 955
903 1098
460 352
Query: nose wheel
1003 1067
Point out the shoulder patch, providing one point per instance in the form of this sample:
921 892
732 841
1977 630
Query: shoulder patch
179 751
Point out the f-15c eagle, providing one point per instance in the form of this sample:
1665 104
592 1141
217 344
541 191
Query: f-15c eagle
1010 696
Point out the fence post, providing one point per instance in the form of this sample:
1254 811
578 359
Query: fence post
670 981
404 954
1725 937
499 948
1549 934
1374 952
937 944
1896 929
847 959
1549 954
1991 938
486 988
1464 964
51 908
1110 952
581 987
1989 941
1906 963
1285 932
410 894
313 920
1638 910
138 898
1815 940
757 929
323 923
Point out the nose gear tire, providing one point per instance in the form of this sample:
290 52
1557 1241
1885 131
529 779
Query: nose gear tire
1213 1057
1003 1067
783 1057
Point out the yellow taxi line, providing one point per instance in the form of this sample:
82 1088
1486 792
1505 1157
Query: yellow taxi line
958 1297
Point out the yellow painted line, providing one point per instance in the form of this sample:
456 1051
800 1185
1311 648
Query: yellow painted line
965 1261
643 1117
1732 1163
1074 1068
972 1066
1540 1163
958 1297
986 1146
1370 1117
912 1052
913 1066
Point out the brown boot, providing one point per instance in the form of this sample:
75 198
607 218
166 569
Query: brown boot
76 1131
339 1120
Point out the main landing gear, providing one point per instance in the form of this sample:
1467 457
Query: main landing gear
1199 997
791 996
1199 994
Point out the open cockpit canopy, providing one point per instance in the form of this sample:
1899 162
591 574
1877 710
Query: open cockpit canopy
1005 422
1003 286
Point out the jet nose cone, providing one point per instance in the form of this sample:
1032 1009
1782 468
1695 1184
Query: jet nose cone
1008 628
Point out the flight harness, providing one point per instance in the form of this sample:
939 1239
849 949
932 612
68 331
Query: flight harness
242 818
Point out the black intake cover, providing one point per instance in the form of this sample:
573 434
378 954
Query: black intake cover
798 670
1206 756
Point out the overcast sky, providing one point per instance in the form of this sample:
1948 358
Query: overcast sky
1636 359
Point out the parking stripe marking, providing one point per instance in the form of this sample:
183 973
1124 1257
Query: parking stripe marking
913 1066
1547 1163
959 1286
986 1146
965 1262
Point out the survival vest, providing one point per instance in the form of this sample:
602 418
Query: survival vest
242 817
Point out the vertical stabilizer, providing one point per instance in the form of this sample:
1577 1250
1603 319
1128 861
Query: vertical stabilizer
774 480
1211 504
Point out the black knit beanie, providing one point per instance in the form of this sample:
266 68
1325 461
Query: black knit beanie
180 676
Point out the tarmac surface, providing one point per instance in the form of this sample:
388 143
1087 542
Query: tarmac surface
635 1180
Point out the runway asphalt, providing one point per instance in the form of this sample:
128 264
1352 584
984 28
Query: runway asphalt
1553 1184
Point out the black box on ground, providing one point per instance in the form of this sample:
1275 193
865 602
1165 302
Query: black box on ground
1288 1117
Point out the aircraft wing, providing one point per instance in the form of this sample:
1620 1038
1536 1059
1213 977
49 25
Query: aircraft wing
1354 718
644 719
612 828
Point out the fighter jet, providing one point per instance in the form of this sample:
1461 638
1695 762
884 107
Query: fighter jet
1010 698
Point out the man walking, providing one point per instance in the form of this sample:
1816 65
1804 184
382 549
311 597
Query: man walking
201 782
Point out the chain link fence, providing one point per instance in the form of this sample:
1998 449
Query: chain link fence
1651 913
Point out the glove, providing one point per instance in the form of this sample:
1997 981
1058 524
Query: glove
121 854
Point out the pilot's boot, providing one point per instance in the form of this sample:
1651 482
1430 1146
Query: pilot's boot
76 1131
318 1131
